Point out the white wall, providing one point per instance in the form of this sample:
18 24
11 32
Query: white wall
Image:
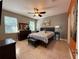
39 24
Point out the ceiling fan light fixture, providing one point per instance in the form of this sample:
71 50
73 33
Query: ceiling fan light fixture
36 14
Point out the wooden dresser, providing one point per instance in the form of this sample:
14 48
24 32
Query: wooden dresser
7 49
23 34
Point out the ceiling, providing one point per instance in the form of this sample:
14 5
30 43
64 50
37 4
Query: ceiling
52 7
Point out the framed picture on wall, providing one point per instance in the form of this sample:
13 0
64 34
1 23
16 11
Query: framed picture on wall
23 26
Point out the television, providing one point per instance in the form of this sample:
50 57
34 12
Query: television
0 10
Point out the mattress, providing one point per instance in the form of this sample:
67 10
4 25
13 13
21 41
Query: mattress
42 35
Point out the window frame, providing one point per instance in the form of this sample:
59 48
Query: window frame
34 25
5 25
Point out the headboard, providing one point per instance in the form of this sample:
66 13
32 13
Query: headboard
47 29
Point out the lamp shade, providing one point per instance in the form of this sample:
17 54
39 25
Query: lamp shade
57 26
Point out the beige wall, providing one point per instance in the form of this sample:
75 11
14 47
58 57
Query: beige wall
54 20
20 18
61 20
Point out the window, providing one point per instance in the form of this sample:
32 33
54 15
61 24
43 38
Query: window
32 25
10 24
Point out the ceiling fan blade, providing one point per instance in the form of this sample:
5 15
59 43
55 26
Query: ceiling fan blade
35 9
42 12
40 15
30 13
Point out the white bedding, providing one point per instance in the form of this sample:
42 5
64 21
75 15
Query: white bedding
42 35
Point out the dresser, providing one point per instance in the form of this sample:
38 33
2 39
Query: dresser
7 49
23 34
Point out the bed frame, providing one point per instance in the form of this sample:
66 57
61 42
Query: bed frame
50 39
39 42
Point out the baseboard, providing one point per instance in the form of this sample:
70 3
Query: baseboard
63 39
70 54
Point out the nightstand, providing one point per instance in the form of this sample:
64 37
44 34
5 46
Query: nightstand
57 35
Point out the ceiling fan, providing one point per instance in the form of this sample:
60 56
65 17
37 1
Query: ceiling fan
37 13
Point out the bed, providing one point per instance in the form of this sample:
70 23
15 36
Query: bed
44 36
